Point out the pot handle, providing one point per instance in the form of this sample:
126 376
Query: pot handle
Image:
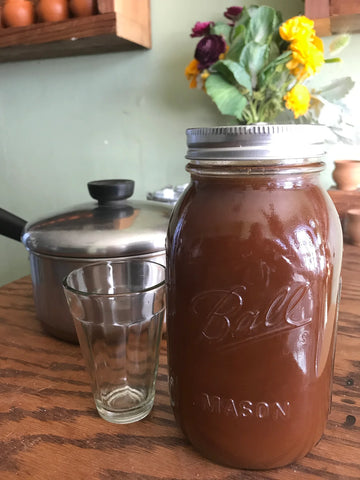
109 191
11 226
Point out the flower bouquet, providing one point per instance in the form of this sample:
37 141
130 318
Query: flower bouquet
254 65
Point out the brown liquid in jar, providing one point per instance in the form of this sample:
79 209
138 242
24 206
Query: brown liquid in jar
253 276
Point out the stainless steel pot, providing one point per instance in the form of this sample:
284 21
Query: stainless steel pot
169 194
114 227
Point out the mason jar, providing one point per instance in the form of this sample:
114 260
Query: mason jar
254 250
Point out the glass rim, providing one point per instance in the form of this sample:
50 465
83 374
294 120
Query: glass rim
83 293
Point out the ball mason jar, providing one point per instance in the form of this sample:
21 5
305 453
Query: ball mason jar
254 252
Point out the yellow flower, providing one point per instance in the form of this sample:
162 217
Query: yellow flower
318 43
306 60
191 72
297 28
205 74
298 100
307 49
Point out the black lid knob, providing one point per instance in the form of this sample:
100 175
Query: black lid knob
105 191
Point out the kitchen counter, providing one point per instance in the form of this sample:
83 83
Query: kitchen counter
49 428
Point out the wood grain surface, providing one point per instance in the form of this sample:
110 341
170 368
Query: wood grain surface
49 428
334 16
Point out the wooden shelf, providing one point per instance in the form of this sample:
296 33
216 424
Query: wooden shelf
126 28
334 16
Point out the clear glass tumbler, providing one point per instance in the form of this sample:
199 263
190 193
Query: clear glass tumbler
118 310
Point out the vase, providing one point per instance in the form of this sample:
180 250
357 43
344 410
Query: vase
352 226
346 174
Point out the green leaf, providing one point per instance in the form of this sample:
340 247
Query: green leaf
262 25
282 59
253 58
238 30
237 43
274 51
337 89
274 64
233 73
333 60
276 70
252 10
339 43
227 97
278 79
278 18
282 44
245 15
222 29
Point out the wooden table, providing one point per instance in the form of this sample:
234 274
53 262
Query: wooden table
49 428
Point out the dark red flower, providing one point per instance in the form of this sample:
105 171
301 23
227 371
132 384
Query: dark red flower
233 13
208 50
201 28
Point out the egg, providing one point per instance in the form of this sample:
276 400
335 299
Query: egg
52 10
18 13
83 8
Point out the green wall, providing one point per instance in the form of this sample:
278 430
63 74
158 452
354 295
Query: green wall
66 121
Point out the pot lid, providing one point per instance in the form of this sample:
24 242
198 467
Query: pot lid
114 226
168 194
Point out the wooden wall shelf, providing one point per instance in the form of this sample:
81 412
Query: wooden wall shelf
334 16
125 28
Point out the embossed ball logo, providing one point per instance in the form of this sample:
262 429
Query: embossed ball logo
224 318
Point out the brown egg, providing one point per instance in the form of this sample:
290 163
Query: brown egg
18 13
52 10
83 8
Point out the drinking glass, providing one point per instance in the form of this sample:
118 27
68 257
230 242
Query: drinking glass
118 310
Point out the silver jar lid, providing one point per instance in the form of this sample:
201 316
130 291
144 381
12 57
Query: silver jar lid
114 226
249 143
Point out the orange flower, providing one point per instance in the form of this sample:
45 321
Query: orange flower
191 72
318 43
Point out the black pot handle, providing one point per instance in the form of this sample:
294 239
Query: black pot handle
11 226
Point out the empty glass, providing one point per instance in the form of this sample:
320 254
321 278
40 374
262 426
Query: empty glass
118 309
